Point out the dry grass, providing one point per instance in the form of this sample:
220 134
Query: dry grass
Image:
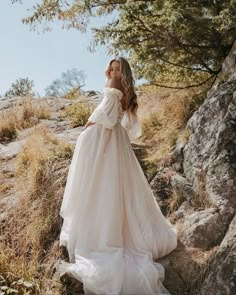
201 200
151 125
174 202
4 187
164 114
204 259
184 135
191 266
17 274
29 232
72 94
79 112
25 113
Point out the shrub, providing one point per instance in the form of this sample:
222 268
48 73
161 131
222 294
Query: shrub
79 113
22 87
25 113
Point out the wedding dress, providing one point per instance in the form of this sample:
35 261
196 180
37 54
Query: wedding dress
113 227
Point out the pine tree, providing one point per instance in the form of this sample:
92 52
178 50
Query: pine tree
169 42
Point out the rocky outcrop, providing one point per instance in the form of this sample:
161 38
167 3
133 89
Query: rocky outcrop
210 152
210 155
206 173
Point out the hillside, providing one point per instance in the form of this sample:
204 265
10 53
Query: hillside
187 152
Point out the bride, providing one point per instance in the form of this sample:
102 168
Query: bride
113 227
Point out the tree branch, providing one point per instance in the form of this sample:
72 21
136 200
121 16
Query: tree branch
175 87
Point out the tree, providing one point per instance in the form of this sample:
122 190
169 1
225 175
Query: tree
22 87
69 84
167 41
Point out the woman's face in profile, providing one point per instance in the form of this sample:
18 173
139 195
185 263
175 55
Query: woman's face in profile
115 72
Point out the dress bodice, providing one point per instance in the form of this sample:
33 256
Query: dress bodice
110 111
121 112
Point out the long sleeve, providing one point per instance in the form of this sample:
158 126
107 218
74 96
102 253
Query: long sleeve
107 112
131 124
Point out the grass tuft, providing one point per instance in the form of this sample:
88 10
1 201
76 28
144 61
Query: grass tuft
174 201
79 113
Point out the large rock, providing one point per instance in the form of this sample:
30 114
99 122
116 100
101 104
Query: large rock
203 229
209 157
184 269
209 170
181 184
222 273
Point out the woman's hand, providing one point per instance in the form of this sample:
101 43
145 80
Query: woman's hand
88 124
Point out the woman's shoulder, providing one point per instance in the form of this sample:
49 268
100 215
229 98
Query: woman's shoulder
113 92
114 83
113 86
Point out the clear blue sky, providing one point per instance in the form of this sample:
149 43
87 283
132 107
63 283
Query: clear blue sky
42 57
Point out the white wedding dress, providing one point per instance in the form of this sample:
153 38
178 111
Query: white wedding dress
113 227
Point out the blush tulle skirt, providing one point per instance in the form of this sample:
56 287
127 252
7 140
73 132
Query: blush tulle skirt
113 227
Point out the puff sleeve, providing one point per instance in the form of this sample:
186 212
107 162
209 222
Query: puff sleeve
131 124
107 112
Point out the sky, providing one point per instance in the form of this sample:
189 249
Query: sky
43 57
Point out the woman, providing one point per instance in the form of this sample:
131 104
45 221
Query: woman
113 227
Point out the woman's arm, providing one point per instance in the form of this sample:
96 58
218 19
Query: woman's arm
107 112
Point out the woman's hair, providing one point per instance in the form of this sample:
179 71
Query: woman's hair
127 82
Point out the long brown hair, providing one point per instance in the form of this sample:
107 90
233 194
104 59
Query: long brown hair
127 82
